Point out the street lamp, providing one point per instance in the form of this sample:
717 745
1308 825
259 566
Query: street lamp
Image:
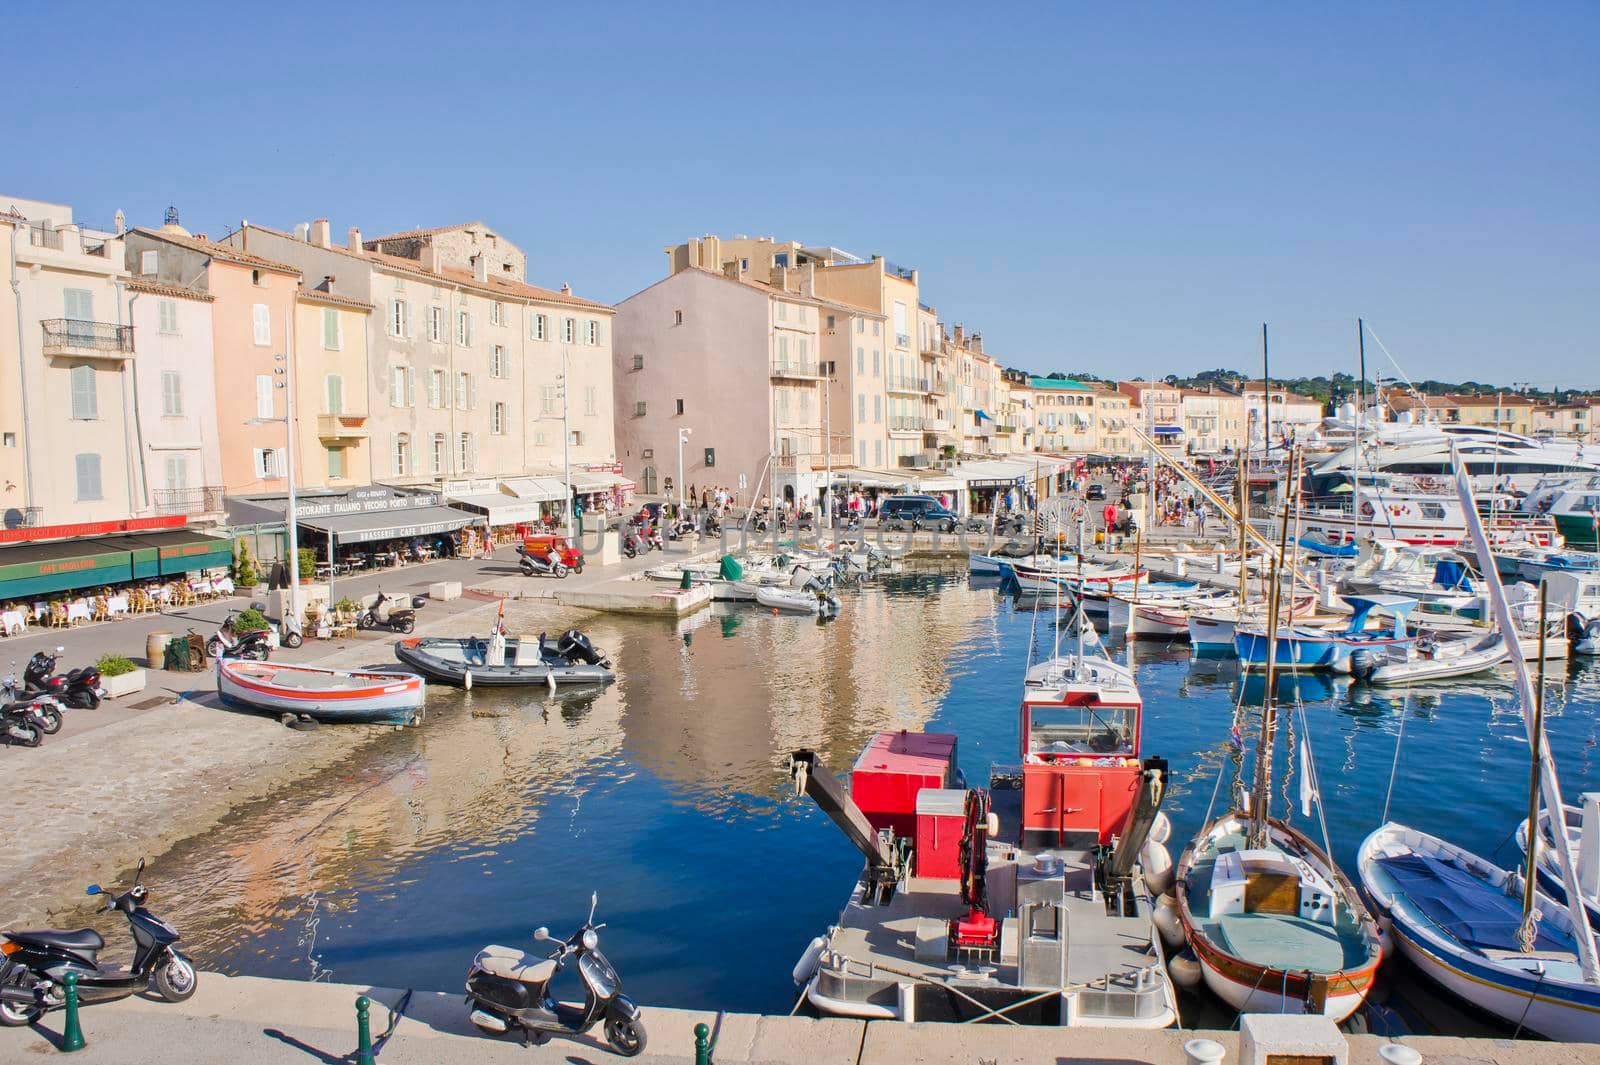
286 373
683 438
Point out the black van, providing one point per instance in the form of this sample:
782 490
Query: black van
898 512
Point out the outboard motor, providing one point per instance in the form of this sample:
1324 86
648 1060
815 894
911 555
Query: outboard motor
1363 662
575 647
1576 624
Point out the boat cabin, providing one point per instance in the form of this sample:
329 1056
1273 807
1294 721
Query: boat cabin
1269 881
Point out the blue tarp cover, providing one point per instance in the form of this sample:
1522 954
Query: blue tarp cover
1475 912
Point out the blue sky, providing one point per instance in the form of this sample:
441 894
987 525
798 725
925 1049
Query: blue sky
1116 189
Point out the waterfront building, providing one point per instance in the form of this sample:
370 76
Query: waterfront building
253 337
1293 416
1213 420
1507 410
734 362
467 365
1573 420
180 452
977 386
1064 413
939 441
1113 415
1157 408
67 352
332 390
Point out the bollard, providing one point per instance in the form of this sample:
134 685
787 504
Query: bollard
1203 1052
687 582
363 1033
702 1044
1396 1054
72 1032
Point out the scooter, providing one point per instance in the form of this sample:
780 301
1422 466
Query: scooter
384 615
40 708
534 566
509 992
18 727
79 688
634 542
36 963
225 643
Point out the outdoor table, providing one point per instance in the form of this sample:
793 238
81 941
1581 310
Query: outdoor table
162 592
13 622
78 611
41 611
116 604
222 586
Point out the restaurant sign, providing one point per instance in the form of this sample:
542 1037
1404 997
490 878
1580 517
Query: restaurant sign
25 534
365 501
397 532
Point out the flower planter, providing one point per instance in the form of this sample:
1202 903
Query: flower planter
125 683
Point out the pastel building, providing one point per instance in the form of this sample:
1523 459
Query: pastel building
1157 408
332 391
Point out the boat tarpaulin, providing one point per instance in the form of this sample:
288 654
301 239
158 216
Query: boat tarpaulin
731 570
1474 912
391 524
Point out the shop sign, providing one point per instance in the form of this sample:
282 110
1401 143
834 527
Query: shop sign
366 501
90 528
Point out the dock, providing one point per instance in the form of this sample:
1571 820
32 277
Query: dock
267 1022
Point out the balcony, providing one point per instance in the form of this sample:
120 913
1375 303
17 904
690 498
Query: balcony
936 425
188 501
87 340
342 427
915 386
1005 428
793 368
906 423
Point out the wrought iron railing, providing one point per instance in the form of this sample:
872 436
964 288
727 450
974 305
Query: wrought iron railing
794 368
902 383
906 422
73 334
204 500
44 237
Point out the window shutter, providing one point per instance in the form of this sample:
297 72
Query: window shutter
262 320
411 387
472 447
472 391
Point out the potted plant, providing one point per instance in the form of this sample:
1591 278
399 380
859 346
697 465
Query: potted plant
120 676
250 620
244 567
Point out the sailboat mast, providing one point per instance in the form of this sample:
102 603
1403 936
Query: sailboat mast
1261 793
1244 538
1530 875
1266 399
1361 415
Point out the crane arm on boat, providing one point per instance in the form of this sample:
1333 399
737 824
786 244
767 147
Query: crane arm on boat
1117 862
888 859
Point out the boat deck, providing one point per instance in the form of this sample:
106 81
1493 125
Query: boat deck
320 682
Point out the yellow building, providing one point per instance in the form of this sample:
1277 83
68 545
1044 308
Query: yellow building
331 386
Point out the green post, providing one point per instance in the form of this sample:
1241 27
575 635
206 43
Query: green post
363 1033
72 1032
686 582
702 1044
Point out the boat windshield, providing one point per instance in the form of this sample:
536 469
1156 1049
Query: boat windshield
1061 731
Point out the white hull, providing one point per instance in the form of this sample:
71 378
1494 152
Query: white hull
1261 1000
1482 655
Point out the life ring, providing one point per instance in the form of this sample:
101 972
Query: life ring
1366 509
1428 482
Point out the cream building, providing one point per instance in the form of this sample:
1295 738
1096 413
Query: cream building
68 438
468 367
1064 414
1291 415
333 392
1214 420
1113 416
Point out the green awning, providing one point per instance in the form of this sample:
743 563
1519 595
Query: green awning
65 565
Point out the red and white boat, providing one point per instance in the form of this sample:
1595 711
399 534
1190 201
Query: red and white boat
1031 901
1069 576
333 695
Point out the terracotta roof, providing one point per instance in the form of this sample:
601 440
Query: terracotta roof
450 275
421 232
316 295
1409 402
224 252
156 288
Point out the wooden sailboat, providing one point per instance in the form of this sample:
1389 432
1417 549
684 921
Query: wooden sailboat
1273 923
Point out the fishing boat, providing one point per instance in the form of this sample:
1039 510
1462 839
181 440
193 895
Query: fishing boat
1456 916
1431 658
1160 616
1069 574
1211 630
1025 902
1488 935
501 661
1582 822
333 695
1277 928
1302 647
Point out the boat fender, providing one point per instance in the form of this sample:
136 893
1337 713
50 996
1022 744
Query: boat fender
1185 969
1168 923
466 680
1385 939
1160 825
806 967
1156 861
993 825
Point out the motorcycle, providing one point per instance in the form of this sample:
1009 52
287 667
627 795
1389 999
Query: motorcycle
634 542
383 614
535 566
509 991
36 963
79 688
18 726
41 709
226 643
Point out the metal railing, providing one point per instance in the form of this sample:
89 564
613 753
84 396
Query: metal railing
44 237
794 368
901 383
71 335
906 423
205 500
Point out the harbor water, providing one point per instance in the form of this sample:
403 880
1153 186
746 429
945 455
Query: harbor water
666 793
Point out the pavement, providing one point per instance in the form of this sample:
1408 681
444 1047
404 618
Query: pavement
249 1019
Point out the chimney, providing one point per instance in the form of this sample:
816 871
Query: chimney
302 231
352 241
319 233
566 289
960 335
429 258
977 343
480 269
327 284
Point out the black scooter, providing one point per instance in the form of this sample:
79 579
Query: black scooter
79 688
36 963
39 707
226 643
386 614
19 727
509 992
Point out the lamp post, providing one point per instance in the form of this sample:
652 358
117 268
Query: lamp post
683 438
285 373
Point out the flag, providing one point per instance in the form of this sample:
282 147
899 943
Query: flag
500 619
1308 790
